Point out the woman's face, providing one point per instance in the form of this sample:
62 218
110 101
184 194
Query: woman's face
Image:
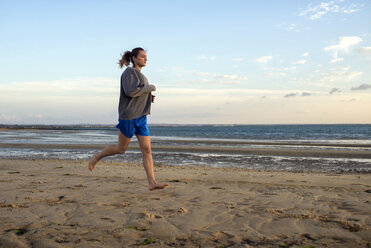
141 59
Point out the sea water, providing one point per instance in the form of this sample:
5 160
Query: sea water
290 137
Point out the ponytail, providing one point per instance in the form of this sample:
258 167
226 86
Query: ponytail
126 58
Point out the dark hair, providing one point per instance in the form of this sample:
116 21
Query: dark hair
126 58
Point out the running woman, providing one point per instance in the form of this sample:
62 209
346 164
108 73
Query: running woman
134 106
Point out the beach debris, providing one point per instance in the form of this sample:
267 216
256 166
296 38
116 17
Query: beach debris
182 210
60 197
368 191
216 187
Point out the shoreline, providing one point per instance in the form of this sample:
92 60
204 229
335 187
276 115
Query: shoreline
59 203
323 153
160 165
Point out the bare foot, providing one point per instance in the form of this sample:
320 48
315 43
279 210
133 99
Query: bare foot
158 186
93 162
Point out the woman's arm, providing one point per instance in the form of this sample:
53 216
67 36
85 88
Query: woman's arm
132 87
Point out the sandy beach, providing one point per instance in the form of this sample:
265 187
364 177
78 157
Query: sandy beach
59 203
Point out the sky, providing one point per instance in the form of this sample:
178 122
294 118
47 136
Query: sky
212 61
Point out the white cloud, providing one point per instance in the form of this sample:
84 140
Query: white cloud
264 59
345 42
305 54
340 75
226 76
276 71
208 77
292 27
300 62
203 74
275 74
291 68
315 12
335 60
67 87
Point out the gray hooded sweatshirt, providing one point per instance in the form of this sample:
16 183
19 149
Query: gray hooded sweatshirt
135 95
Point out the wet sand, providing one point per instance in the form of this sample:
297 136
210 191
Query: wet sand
56 203
298 152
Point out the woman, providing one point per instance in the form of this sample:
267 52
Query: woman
134 106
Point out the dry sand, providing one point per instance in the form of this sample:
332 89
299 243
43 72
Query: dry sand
54 203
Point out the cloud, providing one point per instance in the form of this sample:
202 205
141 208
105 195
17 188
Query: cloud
300 62
291 68
334 90
344 43
226 76
305 54
292 27
275 74
362 87
291 95
297 94
79 87
264 59
335 60
276 71
203 74
204 57
208 77
342 75
315 12
364 50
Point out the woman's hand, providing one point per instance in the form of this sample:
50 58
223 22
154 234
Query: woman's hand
153 98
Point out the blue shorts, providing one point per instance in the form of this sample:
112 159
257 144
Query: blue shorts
137 126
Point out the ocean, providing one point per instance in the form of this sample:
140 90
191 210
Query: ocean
269 147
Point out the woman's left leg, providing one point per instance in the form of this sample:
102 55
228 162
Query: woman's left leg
145 147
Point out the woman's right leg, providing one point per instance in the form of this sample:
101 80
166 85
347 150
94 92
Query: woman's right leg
120 148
